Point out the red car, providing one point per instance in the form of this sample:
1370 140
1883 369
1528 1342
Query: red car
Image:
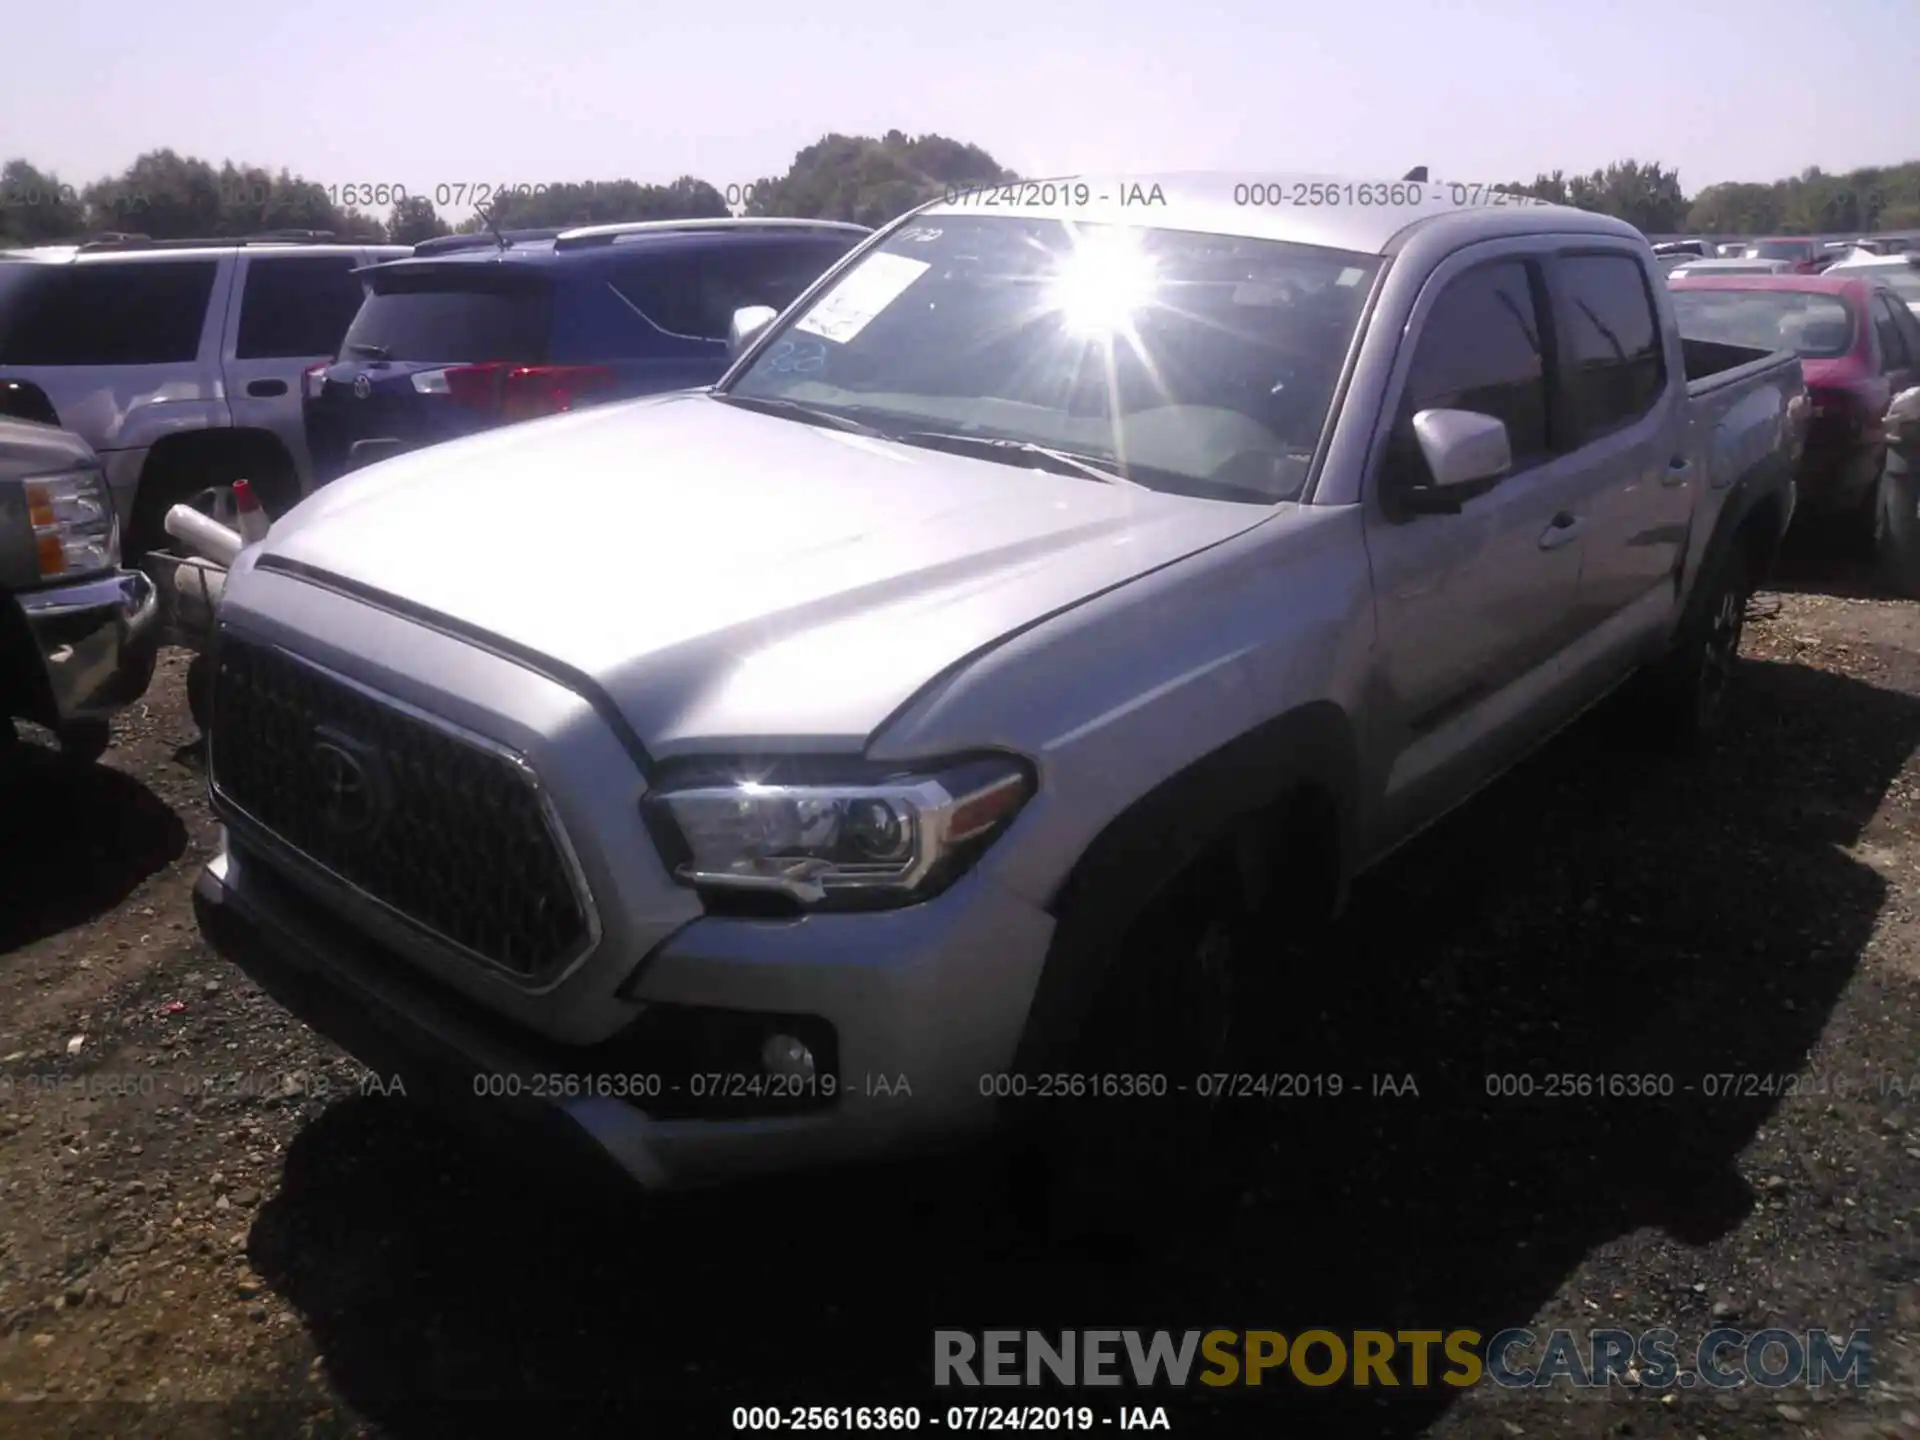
1859 346
1805 254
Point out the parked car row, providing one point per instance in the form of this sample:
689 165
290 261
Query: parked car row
170 370
1800 254
1859 345
1009 618
461 338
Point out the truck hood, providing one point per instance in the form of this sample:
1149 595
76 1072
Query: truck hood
733 579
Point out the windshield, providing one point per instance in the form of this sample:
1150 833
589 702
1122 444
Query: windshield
1685 271
1780 250
440 316
1200 363
1903 280
1816 327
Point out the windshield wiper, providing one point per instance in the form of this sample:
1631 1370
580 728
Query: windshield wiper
1012 452
807 414
378 352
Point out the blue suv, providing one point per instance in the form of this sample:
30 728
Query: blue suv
475 331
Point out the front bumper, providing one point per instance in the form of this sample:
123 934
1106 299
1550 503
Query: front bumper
93 643
919 1009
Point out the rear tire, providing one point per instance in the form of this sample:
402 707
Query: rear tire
204 481
1684 698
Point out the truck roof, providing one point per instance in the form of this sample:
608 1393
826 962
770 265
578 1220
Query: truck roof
1373 216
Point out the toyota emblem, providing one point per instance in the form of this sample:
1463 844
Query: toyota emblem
350 784
362 387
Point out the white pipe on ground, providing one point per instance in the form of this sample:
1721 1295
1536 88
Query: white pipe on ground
207 536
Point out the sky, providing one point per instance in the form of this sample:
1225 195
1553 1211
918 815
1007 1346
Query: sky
440 93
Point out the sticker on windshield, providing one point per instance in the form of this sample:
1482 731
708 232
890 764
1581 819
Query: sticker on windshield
1349 277
854 302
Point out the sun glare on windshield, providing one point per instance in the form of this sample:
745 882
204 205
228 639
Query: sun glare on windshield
1102 285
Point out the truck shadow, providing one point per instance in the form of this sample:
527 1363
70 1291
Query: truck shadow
1821 556
75 842
1596 912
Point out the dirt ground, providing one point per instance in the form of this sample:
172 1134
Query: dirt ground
211 1224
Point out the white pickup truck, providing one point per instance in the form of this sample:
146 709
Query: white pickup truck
1070 592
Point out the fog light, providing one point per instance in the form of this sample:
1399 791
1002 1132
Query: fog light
787 1057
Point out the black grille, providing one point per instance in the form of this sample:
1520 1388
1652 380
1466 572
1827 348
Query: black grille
454 837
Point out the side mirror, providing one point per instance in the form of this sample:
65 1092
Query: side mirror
748 322
1462 448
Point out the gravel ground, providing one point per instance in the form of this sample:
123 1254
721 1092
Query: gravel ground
211 1225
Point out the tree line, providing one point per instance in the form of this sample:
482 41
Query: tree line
865 179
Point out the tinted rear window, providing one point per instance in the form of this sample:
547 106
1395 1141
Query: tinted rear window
1781 250
1904 281
489 317
1816 327
298 306
694 294
141 313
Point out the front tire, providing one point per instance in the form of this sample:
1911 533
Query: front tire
1173 1003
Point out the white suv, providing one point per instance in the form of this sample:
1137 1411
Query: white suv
178 361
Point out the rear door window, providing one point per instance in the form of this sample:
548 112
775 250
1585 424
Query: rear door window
694 294
296 306
1615 364
665 290
145 312
776 274
452 317
1894 354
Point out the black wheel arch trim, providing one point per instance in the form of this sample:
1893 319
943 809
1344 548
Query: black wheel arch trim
1160 835
1771 481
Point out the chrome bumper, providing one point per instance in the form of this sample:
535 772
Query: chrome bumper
95 643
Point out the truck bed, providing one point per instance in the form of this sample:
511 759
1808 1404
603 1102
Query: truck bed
1711 364
1749 415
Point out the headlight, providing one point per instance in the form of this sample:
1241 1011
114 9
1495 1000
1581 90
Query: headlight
841 845
75 530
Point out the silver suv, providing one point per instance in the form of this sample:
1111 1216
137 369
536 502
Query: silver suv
1057 605
179 362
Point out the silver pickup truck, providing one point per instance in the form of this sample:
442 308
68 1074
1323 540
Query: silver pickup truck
78 634
1068 594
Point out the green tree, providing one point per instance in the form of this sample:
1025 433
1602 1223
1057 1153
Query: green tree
603 202
413 220
36 207
869 181
170 196
162 194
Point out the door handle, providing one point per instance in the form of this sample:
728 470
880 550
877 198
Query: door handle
1565 529
1679 470
266 389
